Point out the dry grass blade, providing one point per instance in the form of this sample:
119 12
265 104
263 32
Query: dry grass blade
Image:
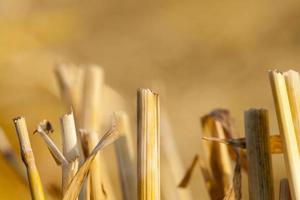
275 142
287 130
238 142
148 145
75 186
204 170
35 183
186 179
43 129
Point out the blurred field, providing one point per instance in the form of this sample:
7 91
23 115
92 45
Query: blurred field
200 54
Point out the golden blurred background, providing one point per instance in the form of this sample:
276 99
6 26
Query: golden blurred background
199 55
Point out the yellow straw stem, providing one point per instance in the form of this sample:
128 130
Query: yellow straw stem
35 183
148 145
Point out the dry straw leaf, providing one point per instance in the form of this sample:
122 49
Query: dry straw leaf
76 183
187 177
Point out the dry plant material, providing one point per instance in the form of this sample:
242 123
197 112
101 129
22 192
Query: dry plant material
237 177
186 179
284 191
125 156
292 81
75 186
91 122
236 142
204 170
148 117
70 150
223 116
219 159
35 183
260 176
274 140
276 146
11 157
286 119
44 128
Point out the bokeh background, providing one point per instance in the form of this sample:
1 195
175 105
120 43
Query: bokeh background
199 55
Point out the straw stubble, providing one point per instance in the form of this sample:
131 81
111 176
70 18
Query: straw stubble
148 145
35 183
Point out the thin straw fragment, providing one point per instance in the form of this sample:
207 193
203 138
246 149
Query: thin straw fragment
186 179
43 129
274 140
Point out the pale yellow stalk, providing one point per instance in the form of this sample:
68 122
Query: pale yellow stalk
35 183
287 130
91 123
148 145
70 150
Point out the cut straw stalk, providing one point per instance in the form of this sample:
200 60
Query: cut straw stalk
125 156
70 150
284 191
91 122
292 80
70 80
148 145
35 183
287 130
260 176
219 159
